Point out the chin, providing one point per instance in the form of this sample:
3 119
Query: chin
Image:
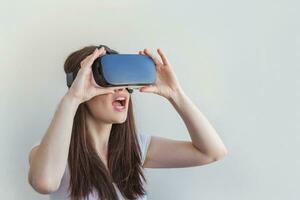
120 121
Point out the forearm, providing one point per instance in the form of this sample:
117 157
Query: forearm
203 135
48 162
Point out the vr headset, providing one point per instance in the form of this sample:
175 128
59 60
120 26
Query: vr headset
114 70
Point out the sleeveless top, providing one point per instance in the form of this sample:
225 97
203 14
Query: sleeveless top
62 193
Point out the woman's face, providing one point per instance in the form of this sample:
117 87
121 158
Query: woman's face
110 108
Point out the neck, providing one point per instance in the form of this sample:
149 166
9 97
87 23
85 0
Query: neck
100 132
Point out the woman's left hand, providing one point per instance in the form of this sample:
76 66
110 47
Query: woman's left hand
166 83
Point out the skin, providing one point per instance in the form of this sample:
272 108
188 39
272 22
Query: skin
48 159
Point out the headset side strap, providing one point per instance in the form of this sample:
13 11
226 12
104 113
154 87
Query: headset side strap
70 79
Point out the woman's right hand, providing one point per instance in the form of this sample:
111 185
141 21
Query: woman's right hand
84 86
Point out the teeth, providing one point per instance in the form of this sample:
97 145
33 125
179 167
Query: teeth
120 98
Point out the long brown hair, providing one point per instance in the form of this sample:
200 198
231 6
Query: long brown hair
87 171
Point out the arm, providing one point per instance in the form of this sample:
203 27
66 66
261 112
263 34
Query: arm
204 136
48 160
205 147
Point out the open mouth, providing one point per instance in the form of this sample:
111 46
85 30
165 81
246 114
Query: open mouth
119 103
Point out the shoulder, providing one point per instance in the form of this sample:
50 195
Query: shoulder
144 141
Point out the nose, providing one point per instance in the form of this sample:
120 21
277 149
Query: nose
119 89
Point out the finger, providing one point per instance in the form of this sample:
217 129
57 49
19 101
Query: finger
113 88
87 59
163 57
84 61
97 52
101 51
149 89
155 60
93 55
99 91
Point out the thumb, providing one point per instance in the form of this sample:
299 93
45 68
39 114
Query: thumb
99 91
148 89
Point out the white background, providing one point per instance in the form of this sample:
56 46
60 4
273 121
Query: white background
237 60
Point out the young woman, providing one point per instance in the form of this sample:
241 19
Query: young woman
91 149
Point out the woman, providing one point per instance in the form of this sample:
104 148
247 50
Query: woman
91 147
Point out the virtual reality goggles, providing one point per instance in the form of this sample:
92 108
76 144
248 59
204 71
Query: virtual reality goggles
114 70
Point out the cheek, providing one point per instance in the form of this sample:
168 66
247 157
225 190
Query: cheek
99 106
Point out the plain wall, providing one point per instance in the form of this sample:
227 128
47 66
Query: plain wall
237 60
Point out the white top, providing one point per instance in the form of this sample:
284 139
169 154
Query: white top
62 192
